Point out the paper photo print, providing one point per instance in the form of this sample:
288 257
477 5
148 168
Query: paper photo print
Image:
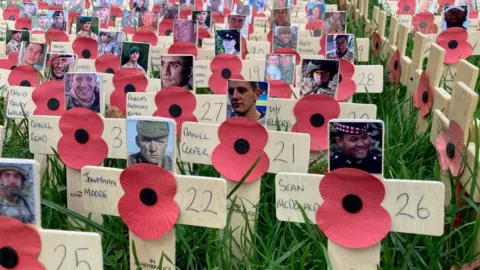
148 20
472 4
281 4
108 3
40 23
110 43
102 13
82 89
151 140
170 11
58 19
280 17
258 5
356 144
187 4
77 6
319 77
129 19
177 70
18 196
203 18
56 4
426 6
247 99
285 37
185 31
340 46
28 9
142 5
238 22
242 9
13 3
316 11
334 22
57 65
14 39
215 5
32 54
227 41
455 16
135 55
87 27
280 67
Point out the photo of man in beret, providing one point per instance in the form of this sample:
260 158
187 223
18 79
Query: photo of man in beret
133 56
85 26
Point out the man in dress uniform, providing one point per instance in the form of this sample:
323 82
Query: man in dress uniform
152 139
133 55
86 28
14 197
107 45
354 148
14 44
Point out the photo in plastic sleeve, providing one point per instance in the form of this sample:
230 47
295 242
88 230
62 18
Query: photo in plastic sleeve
316 11
334 22
151 141
356 144
247 99
14 39
228 42
129 19
56 4
238 22
185 31
32 54
170 11
58 19
319 77
340 46
77 6
280 17
215 5
148 20
18 191
455 16
135 55
258 5
83 90
40 23
102 13
426 6
110 42
285 37
280 67
28 9
177 70
87 27
204 19
57 65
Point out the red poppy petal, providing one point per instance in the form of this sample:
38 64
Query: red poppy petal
323 45
455 133
170 98
85 48
376 44
441 144
42 5
199 4
217 17
145 36
289 51
183 15
183 48
49 98
23 23
10 62
165 28
115 12
11 13
279 89
218 84
126 80
226 61
55 35
160 180
29 244
314 25
395 68
346 87
473 13
87 4
243 43
107 63
203 33
269 36
423 83
24 76
129 30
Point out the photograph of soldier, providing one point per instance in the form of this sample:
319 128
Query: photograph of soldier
455 16
203 19
82 89
215 5
32 54
426 6
287 68
57 65
281 4
281 17
258 5
238 22
102 13
357 145
13 3
148 20
272 69
334 22
340 47
186 4
135 55
14 40
140 5
185 31
170 11
227 41
17 193
319 77
87 27
247 99
109 43
58 19
56 4
242 9
27 10
315 11
177 70
285 37
129 19
151 142
76 6
40 22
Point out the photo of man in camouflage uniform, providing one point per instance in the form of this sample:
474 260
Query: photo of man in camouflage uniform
16 194
285 37
108 44
15 43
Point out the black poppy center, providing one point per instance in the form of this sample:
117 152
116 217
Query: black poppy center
423 24
148 196
81 136
25 83
226 73
377 45
11 18
340 78
241 146
168 32
12 67
129 88
352 203
8 257
110 70
406 8
452 44
317 120
411 79
395 64
425 97
450 150
317 33
53 104
86 53
175 110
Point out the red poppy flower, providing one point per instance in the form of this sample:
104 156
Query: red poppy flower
148 207
376 44
145 36
107 63
24 76
251 29
395 68
23 23
313 113
450 147
226 12
346 85
115 12
49 97
183 14
289 51
85 48
217 17
87 4
443 3
323 45
11 13
129 30
406 7
473 13
10 62
202 33
256 14
81 143
42 5
236 2
454 41
20 245
243 43
165 28
176 103
182 47
242 147
55 35
269 38
351 214
425 23
279 89
157 8
126 80
55 7
224 67
423 95
315 26
199 4
72 17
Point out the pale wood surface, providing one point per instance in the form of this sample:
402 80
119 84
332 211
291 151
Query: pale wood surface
149 252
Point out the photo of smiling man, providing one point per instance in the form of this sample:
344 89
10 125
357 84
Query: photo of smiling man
177 70
247 99
32 54
82 89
